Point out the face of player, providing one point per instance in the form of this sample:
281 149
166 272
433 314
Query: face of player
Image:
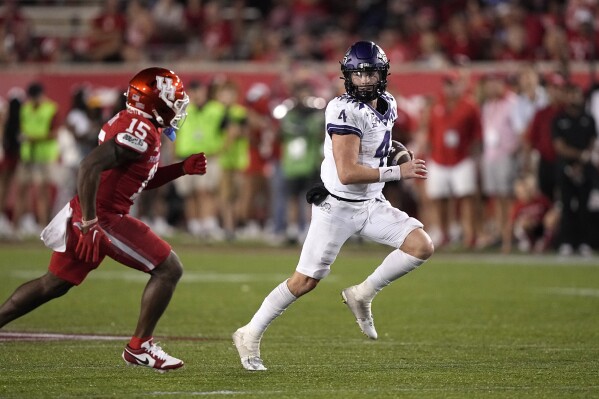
365 78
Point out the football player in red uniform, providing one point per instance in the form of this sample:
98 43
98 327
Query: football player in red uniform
96 222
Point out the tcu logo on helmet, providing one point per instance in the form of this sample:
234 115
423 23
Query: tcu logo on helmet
165 85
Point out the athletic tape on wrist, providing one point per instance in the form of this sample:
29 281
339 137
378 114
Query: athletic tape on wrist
389 173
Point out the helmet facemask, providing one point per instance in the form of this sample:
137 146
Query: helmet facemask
179 107
365 92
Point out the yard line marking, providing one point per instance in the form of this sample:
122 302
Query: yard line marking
24 336
590 292
188 277
546 260
6 336
202 393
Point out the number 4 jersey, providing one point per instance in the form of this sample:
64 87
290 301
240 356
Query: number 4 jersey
346 115
120 186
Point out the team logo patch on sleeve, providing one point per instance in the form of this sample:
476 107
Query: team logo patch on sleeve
130 141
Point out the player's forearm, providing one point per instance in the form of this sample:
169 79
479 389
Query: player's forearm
166 174
357 174
88 181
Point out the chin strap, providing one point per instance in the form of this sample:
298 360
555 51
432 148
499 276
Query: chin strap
158 117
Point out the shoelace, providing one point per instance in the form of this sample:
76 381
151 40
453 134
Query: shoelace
157 351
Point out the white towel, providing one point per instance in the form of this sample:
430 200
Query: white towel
54 235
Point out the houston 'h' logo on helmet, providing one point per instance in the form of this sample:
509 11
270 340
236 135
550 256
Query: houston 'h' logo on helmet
165 85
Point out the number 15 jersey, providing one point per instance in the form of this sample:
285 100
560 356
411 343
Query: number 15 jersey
119 187
346 115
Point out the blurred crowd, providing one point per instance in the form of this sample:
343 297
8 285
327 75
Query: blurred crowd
433 33
513 160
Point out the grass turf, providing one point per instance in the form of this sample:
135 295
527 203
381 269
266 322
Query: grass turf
461 326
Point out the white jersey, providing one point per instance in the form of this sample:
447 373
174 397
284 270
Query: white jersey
346 115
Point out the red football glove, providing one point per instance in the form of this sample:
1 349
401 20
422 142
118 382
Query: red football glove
195 164
88 246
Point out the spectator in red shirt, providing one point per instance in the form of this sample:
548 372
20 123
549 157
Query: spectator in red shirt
16 33
217 34
538 138
533 218
454 139
140 28
458 43
107 33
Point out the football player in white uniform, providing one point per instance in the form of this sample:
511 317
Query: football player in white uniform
354 171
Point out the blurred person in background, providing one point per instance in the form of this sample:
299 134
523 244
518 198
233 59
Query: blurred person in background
39 156
202 130
263 147
533 218
76 140
501 144
574 134
140 29
454 143
233 157
11 155
16 30
107 33
540 157
217 34
169 18
532 97
301 141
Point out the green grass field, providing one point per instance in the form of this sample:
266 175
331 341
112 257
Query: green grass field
461 326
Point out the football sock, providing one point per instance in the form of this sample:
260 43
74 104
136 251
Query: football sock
273 305
136 342
194 226
210 223
395 265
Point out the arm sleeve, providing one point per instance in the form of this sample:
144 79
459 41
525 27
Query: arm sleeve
165 174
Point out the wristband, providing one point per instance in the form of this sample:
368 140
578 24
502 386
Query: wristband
87 223
389 173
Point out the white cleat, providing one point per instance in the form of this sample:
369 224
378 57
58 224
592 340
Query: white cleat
248 348
361 310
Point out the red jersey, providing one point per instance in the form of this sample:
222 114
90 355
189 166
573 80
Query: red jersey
453 131
539 134
535 209
119 187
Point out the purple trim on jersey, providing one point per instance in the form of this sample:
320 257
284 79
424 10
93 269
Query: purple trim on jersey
390 114
343 129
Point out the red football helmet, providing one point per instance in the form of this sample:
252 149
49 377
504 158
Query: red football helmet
158 94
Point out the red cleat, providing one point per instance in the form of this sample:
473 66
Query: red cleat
151 355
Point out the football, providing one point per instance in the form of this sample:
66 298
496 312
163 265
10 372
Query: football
398 154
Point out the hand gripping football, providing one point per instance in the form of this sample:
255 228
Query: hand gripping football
398 154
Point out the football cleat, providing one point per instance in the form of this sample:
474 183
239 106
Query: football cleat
151 355
361 310
248 348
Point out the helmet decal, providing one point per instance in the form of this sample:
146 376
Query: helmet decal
165 85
